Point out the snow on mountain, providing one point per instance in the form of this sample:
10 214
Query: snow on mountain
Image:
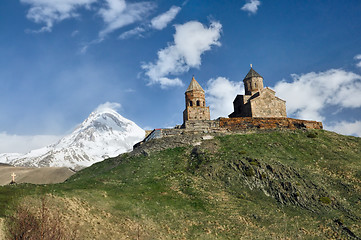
104 134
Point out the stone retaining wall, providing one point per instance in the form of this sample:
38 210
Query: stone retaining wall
228 125
244 123
201 124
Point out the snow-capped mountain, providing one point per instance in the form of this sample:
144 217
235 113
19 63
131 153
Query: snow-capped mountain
104 134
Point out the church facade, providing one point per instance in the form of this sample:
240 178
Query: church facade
258 102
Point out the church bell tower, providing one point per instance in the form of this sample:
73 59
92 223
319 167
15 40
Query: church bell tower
253 82
195 103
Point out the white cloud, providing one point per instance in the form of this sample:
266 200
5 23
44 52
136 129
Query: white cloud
24 144
132 32
251 6
74 33
309 94
191 40
159 22
108 105
86 45
118 14
50 12
115 13
220 94
162 20
358 57
346 128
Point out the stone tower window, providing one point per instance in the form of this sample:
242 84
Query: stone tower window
204 104
198 103
190 103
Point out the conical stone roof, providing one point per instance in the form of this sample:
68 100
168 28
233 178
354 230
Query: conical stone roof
252 73
194 86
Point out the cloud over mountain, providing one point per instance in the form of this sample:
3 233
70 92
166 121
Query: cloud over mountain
191 40
108 106
24 143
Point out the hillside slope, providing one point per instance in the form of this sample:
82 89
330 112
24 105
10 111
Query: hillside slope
275 185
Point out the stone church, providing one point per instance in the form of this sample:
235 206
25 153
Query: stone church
258 101
258 109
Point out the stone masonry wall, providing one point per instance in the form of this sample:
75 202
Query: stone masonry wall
196 113
245 123
194 96
201 125
195 106
267 105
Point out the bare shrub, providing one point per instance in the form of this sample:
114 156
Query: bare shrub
36 223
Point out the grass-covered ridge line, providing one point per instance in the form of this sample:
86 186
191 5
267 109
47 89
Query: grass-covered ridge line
295 184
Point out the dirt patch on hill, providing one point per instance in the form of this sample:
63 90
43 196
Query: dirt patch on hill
47 175
92 222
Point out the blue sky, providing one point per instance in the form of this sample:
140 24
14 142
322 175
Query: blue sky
60 59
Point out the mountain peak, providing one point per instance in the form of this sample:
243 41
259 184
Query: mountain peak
105 133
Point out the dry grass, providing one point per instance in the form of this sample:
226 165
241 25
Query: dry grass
36 222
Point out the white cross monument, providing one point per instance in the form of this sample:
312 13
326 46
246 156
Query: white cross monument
13 175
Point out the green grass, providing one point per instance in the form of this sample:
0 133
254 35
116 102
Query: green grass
213 192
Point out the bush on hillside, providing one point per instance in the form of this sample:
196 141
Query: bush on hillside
253 162
33 223
325 200
249 172
312 135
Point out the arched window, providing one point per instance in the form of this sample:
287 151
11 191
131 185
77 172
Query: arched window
198 103
204 104
190 103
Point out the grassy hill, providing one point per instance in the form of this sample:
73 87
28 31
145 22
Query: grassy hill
266 185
